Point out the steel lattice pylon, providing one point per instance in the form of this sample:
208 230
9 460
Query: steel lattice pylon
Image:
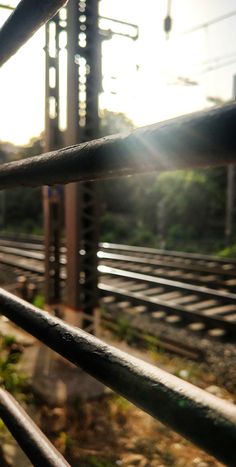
52 196
84 78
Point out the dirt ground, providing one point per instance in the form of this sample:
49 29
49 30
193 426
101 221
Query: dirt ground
112 432
109 431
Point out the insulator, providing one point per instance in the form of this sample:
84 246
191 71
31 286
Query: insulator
167 24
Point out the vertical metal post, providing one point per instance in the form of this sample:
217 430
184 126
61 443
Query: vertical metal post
52 196
229 204
230 191
84 82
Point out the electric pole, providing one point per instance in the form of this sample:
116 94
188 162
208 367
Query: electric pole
52 196
230 191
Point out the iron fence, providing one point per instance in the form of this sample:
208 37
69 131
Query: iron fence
199 140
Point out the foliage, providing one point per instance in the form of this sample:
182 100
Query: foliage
39 301
10 355
228 252
8 340
23 210
175 210
64 441
192 205
113 122
94 461
182 210
122 404
124 330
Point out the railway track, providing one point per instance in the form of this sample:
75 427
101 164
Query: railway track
181 289
213 271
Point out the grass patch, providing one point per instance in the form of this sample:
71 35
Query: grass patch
10 354
94 461
228 252
39 301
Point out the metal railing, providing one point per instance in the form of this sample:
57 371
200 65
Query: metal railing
199 140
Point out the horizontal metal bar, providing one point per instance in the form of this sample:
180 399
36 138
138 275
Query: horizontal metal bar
30 438
184 407
202 139
25 20
114 20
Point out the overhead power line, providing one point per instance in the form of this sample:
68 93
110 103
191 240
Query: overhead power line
210 23
7 7
190 81
216 67
213 62
219 58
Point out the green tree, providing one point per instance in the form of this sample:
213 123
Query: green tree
23 206
176 210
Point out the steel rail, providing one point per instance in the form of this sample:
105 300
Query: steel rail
165 264
26 267
36 242
210 321
7 256
22 250
25 20
224 297
201 139
221 262
139 298
158 340
152 303
168 283
21 244
114 257
184 407
30 438
22 253
104 269
20 237
171 253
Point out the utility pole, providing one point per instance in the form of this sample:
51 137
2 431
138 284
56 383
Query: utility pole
230 191
83 87
52 196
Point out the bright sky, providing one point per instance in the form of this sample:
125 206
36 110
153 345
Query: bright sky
144 79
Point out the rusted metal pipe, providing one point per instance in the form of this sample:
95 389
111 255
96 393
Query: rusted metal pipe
201 139
199 416
30 438
25 20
